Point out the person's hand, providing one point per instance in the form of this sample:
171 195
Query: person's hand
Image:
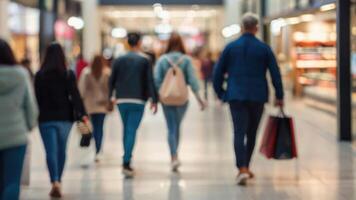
279 103
85 119
203 105
110 106
154 108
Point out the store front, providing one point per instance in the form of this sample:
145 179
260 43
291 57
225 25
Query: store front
23 22
304 35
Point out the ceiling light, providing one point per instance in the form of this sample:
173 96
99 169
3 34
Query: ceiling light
76 22
119 32
307 17
328 7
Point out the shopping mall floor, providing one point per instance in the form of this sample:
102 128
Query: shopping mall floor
326 169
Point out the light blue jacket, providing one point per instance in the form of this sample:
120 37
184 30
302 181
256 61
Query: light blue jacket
18 109
186 65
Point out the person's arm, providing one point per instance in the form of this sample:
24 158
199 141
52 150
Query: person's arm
82 85
78 106
30 105
276 77
192 80
112 79
219 74
150 87
159 73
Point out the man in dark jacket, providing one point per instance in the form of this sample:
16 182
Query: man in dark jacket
245 62
132 81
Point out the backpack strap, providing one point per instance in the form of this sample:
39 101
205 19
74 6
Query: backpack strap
175 64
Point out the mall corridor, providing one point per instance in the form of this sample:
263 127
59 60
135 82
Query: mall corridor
325 170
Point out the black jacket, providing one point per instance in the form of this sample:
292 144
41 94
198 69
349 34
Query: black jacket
132 78
58 96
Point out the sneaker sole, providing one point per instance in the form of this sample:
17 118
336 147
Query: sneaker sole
128 174
242 182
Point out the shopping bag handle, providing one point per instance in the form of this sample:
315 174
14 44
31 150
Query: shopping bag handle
281 112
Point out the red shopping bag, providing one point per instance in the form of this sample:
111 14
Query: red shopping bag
269 137
279 138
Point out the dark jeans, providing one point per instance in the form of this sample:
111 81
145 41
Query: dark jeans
97 120
54 136
207 82
131 115
246 117
11 163
174 116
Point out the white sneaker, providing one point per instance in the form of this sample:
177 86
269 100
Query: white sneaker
98 157
128 172
242 178
175 165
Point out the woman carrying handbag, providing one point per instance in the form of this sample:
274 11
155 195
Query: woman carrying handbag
60 105
94 88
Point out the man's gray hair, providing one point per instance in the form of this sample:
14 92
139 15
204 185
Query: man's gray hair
249 21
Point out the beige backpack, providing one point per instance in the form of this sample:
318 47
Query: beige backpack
174 89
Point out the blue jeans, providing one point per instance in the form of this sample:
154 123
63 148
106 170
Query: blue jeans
131 115
174 116
54 136
246 117
97 120
11 163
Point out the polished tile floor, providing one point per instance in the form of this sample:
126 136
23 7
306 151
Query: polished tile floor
326 169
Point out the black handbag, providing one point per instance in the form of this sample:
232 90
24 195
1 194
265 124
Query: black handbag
84 127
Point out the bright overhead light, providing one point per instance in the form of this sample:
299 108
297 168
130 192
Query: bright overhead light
328 7
293 20
307 17
157 8
76 22
163 29
119 32
276 25
231 30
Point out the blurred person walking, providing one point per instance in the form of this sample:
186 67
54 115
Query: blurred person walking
80 65
18 117
60 105
207 69
246 61
176 56
132 82
94 89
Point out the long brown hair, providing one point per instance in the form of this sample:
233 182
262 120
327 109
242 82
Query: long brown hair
175 43
97 66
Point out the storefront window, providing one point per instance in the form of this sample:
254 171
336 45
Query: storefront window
306 50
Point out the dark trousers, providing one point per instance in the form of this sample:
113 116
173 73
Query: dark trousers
246 117
97 120
11 162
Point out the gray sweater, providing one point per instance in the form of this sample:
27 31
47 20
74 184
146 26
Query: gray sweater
18 109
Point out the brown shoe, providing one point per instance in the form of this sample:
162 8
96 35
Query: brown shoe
251 175
56 192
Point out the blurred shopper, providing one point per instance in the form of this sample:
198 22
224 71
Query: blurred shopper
176 55
93 86
17 117
207 69
80 65
245 62
60 104
132 82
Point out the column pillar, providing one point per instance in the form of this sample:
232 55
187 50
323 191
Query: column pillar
4 18
48 17
91 32
344 103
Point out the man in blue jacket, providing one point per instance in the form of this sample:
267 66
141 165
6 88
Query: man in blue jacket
244 63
